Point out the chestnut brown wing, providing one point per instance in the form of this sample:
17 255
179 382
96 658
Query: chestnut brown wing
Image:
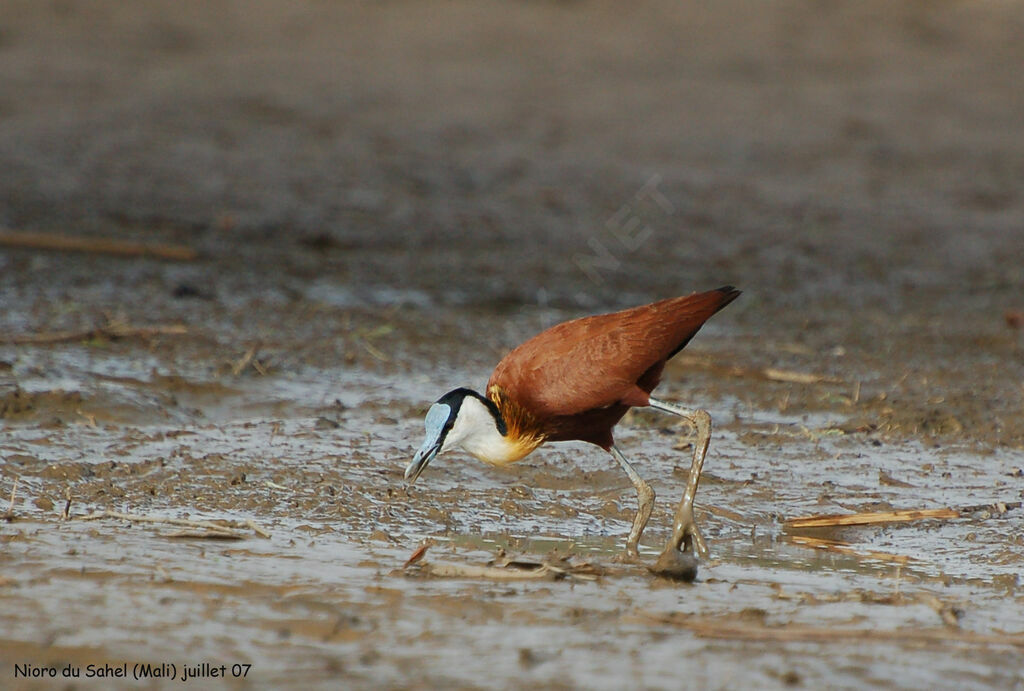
596 362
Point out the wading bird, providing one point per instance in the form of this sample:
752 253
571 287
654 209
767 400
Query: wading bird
575 381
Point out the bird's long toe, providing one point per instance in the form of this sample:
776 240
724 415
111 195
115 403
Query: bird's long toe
677 565
629 556
679 560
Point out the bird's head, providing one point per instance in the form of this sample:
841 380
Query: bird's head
460 419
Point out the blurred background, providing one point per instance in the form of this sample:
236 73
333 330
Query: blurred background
860 150
855 167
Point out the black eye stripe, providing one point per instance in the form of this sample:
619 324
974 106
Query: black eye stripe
454 398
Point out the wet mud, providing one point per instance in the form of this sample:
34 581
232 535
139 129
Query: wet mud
385 199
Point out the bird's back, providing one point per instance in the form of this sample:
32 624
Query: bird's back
601 362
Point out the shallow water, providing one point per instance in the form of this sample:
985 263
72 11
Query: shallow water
325 597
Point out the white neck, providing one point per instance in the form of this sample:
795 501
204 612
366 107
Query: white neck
476 431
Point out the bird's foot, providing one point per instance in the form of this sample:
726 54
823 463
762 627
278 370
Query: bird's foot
679 560
679 566
630 556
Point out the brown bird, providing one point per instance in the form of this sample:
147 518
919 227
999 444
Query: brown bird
575 381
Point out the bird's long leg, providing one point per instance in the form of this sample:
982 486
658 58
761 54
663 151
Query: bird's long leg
645 500
685 533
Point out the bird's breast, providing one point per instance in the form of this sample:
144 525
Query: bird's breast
501 450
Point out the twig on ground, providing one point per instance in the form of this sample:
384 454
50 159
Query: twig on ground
769 373
112 331
869 517
71 243
791 377
9 516
213 530
207 535
494 573
249 359
419 553
897 515
243 361
254 527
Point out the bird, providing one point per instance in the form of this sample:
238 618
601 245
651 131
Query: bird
574 382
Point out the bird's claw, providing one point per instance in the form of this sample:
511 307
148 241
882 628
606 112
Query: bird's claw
630 556
679 559
677 565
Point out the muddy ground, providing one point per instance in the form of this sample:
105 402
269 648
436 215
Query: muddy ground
385 198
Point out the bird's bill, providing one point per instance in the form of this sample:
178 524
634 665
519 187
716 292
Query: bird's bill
436 424
424 456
